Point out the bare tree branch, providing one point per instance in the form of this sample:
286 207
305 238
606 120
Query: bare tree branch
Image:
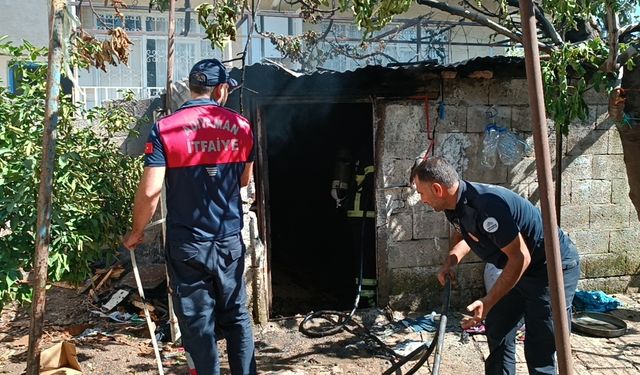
612 25
631 28
545 25
484 10
406 25
458 11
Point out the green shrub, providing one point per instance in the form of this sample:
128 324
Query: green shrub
93 188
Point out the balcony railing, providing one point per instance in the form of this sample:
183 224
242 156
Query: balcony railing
93 96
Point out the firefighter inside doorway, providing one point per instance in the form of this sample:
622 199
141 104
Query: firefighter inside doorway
352 188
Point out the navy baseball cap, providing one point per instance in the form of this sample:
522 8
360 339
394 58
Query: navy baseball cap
210 72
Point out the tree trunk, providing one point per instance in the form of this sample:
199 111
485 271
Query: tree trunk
630 133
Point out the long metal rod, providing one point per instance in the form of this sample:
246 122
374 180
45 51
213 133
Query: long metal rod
43 226
545 178
173 319
150 324
171 38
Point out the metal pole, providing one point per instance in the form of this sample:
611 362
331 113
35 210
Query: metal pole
543 167
173 320
43 226
170 52
147 316
558 197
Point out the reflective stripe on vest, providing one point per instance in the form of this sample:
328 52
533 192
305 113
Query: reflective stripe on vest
357 212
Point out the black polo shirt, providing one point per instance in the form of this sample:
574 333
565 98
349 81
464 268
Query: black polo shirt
489 217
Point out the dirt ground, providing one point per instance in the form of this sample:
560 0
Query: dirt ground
124 348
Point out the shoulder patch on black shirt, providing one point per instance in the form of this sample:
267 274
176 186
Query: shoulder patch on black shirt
490 225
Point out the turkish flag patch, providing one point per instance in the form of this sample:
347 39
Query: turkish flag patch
148 148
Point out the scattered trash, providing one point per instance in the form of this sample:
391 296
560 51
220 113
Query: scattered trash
115 299
595 301
424 323
479 329
598 324
406 347
91 332
60 359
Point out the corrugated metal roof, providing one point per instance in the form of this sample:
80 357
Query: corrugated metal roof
413 79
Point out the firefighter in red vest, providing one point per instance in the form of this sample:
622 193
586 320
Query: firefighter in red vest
203 153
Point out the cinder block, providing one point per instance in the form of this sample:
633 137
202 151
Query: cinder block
465 91
475 171
578 167
585 141
413 288
607 167
453 147
591 191
521 118
523 172
575 217
565 194
395 172
615 144
430 225
403 122
620 191
477 119
592 96
509 92
469 275
607 284
609 216
389 201
604 265
401 226
405 149
633 262
624 240
589 241
421 253
602 119
454 121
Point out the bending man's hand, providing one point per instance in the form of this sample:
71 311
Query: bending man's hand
446 271
479 308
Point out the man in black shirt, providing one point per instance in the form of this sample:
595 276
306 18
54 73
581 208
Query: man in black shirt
504 229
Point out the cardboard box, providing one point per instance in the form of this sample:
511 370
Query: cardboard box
60 359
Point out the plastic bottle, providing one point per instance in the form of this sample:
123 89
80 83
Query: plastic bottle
510 147
489 146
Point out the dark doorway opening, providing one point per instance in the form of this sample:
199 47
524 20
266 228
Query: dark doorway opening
315 246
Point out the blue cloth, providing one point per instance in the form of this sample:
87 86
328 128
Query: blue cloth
597 301
423 323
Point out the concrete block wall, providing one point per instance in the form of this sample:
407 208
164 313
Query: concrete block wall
414 240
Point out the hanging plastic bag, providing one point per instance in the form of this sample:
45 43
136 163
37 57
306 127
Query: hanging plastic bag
511 148
490 146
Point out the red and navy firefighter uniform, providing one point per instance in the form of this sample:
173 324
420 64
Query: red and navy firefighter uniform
490 217
204 148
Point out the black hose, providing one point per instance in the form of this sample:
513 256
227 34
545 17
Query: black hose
343 318
437 342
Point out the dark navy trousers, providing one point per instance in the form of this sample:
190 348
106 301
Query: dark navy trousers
529 298
209 296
